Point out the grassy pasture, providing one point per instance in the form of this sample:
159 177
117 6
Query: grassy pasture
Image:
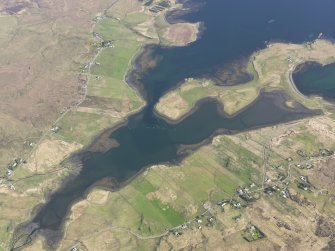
164 197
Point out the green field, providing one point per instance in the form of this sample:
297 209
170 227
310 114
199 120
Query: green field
113 97
82 126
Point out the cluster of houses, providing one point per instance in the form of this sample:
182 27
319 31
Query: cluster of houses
96 35
246 195
55 129
206 218
102 43
99 17
73 249
308 163
3 180
15 163
6 177
323 152
29 143
106 44
160 6
289 59
270 190
252 233
303 183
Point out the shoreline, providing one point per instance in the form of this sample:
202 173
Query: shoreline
291 81
101 135
187 150
120 185
123 121
296 90
191 147
295 94
132 66
183 152
219 131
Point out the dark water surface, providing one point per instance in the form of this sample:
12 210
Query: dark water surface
316 79
233 30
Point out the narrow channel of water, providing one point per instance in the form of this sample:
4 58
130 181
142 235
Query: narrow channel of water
143 144
233 30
